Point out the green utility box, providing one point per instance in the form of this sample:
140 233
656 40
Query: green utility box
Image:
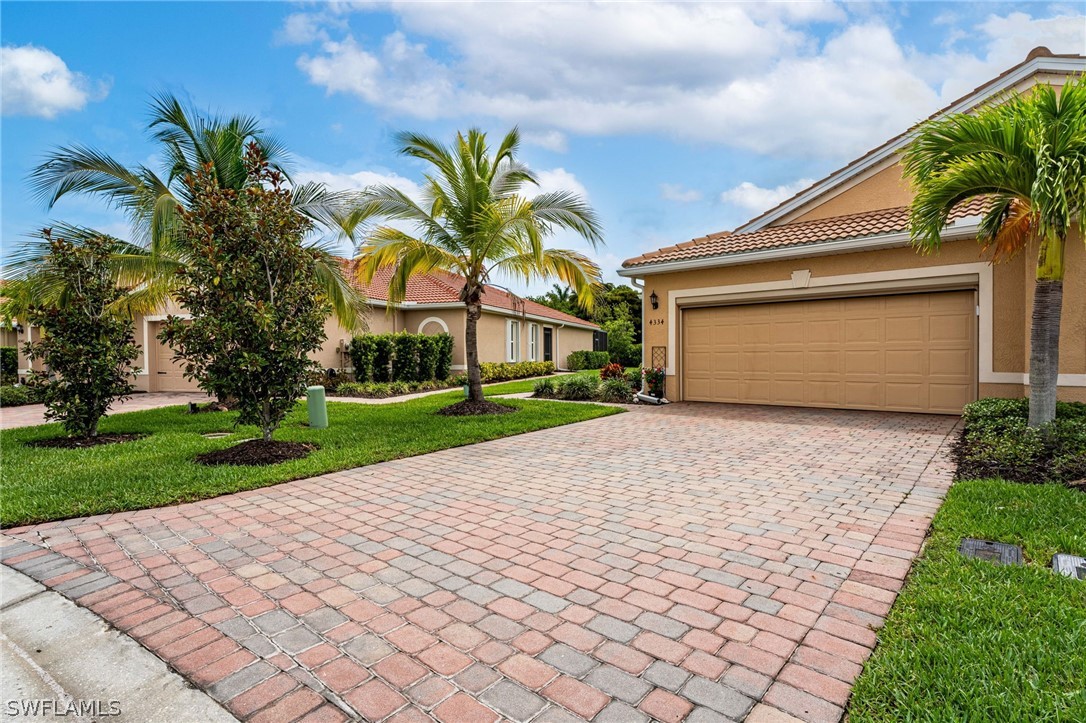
318 407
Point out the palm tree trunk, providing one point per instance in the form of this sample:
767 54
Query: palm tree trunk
1044 350
471 346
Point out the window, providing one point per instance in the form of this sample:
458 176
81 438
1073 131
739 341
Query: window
512 341
533 342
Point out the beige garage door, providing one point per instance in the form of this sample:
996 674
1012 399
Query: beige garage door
166 376
911 353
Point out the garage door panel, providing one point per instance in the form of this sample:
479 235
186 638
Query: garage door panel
912 352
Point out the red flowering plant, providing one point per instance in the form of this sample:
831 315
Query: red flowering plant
612 371
654 380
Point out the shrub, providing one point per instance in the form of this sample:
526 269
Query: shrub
405 357
400 388
9 361
544 388
443 367
579 360
382 357
613 371
330 379
89 350
363 354
616 389
578 387
505 371
11 396
996 442
429 347
257 308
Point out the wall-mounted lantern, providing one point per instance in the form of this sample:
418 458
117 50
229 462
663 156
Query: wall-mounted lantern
654 300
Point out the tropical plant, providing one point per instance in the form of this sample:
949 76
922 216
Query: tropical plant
577 387
472 220
188 141
87 348
1026 155
257 309
616 389
543 388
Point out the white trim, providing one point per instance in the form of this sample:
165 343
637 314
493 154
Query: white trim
512 340
533 341
889 149
437 319
824 248
549 321
978 275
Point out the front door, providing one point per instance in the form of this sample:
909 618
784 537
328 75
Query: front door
548 344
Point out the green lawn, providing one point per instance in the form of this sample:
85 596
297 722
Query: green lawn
48 484
970 641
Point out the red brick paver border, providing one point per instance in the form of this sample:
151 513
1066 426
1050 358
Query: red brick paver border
687 561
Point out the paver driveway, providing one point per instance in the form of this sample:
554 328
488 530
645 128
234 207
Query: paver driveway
693 561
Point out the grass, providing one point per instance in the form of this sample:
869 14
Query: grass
37 484
970 641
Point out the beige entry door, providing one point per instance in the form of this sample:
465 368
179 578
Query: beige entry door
166 376
907 352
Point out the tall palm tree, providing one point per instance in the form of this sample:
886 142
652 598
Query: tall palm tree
1027 155
473 221
188 140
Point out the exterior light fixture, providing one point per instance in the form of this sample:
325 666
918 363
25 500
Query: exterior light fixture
654 300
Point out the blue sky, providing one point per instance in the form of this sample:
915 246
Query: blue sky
674 120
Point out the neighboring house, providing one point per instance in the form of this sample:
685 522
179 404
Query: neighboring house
510 329
821 301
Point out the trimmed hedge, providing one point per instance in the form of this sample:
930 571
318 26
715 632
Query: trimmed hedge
9 361
996 442
380 390
579 360
506 371
11 396
401 357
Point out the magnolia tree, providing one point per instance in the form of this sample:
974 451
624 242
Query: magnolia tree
87 347
257 307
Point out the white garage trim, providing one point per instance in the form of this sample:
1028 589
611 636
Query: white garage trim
977 275
437 320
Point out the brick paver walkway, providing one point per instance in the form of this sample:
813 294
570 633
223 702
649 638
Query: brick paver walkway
29 415
693 561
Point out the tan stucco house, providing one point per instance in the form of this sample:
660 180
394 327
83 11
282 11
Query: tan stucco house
510 329
821 302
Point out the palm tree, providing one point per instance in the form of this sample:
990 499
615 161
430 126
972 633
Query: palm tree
473 221
188 140
1027 156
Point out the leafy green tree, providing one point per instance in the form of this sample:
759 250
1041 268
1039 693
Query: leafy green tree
257 309
474 221
620 342
560 298
87 348
189 142
1027 156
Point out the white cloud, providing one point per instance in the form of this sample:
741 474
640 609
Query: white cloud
551 140
302 28
756 199
678 193
37 82
355 180
557 179
753 76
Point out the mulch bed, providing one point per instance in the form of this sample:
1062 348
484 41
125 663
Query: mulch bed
81 442
469 408
257 452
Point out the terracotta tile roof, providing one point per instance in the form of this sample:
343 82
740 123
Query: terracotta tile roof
805 233
439 287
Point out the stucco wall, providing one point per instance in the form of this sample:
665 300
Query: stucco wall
880 189
1011 301
453 319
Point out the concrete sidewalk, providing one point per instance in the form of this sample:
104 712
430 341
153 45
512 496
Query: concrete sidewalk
55 655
